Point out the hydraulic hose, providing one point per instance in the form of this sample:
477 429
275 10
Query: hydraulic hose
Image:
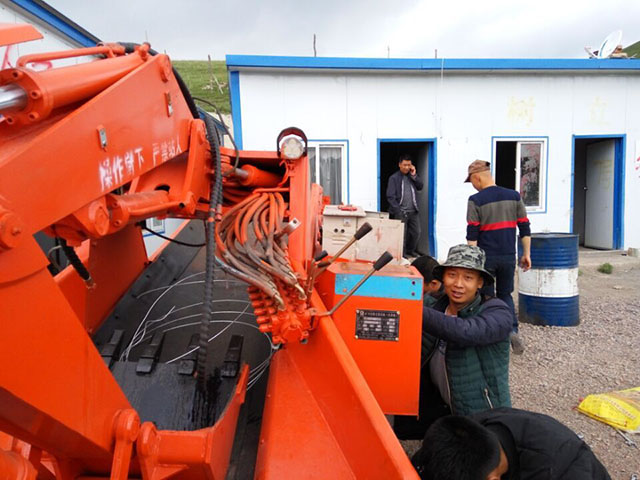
77 264
215 194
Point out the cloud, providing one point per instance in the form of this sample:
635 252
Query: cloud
191 29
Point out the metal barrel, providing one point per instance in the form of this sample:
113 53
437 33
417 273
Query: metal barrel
548 292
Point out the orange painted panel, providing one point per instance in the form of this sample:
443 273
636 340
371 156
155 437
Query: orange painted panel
390 367
320 413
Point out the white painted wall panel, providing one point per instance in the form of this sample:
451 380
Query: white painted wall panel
463 111
51 41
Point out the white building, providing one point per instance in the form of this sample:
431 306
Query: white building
58 31
566 132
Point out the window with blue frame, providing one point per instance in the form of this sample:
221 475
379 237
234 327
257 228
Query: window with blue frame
328 165
520 164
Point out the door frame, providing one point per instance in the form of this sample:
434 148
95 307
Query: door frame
432 150
620 148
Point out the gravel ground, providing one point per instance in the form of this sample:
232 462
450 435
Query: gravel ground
562 365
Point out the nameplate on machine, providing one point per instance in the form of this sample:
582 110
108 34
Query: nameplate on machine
377 325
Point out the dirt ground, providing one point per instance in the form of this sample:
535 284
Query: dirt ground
562 365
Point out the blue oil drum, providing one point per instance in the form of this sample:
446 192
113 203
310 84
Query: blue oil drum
548 292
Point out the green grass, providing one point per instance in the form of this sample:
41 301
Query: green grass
197 76
605 268
633 49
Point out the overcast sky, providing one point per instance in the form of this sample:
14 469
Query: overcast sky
191 29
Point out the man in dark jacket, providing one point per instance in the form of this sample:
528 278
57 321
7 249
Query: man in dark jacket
403 204
465 346
505 444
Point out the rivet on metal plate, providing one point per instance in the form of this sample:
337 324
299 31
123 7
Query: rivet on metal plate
102 134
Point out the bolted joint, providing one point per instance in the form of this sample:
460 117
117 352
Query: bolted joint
11 229
127 425
125 431
165 68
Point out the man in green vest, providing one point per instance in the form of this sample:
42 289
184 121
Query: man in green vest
465 345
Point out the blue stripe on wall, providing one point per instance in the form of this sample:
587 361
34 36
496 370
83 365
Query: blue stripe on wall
618 192
266 61
236 108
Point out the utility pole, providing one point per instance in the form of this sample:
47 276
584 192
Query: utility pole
436 53
388 51
315 54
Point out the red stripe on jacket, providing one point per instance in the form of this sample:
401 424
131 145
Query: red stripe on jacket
497 226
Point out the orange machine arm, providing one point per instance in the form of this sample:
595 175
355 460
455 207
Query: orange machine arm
87 152
77 145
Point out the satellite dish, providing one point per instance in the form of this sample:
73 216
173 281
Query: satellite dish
609 44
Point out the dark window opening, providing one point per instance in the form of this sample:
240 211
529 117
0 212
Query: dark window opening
505 168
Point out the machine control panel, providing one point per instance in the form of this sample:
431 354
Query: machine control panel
377 325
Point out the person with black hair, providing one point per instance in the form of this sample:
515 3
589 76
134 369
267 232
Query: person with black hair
505 444
432 288
465 346
403 203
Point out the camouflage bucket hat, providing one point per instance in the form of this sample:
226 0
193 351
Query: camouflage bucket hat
465 256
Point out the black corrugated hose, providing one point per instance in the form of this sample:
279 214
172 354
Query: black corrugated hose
215 200
74 260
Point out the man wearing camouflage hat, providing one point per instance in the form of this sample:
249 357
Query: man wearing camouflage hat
465 345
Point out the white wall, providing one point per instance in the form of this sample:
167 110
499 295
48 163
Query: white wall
463 111
52 40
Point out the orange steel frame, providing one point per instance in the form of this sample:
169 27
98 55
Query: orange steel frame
86 132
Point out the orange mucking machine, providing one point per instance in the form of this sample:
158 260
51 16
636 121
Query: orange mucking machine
88 153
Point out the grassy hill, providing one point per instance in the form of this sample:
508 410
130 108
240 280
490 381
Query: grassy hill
199 77
633 49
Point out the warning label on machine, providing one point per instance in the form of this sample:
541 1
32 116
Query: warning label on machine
377 325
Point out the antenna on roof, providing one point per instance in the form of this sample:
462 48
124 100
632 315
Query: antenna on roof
607 47
609 44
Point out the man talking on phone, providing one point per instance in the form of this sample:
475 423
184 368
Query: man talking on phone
403 203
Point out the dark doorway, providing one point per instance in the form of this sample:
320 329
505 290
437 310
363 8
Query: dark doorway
597 191
422 153
505 170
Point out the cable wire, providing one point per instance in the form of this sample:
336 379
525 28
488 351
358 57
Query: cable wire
172 240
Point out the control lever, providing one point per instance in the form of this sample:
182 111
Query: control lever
317 268
361 232
320 256
385 258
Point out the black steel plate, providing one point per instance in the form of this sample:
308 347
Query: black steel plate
377 325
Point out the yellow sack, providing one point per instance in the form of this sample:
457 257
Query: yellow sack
619 409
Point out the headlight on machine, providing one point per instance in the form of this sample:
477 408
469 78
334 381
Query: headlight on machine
292 148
